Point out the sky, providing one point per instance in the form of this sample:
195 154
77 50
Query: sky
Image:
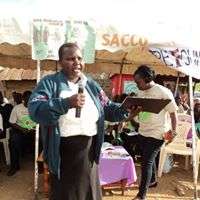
156 18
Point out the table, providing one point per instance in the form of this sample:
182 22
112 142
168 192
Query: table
113 169
117 166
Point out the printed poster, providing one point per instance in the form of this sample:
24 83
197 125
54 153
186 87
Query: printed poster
49 35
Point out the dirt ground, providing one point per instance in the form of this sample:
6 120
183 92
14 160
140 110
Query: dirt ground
20 186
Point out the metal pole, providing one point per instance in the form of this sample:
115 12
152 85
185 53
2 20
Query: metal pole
194 139
119 91
177 83
36 139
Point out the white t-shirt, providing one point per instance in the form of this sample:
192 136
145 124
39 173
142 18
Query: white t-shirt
87 123
18 113
155 125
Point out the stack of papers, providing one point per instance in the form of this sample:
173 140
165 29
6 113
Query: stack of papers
107 146
112 152
133 133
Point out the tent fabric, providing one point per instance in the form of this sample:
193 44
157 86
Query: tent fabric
131 59
19 50
10 74
25 63
19 57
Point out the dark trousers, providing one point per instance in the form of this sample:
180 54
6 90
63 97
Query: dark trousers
131 144
19 144
150 148
79 178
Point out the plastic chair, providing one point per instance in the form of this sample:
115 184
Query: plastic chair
186 118
5 142
177 146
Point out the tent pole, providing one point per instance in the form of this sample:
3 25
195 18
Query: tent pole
36 139
194 161
121 71
120 81
176 87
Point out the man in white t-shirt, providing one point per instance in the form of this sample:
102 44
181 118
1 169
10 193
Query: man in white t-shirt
22 126
152 126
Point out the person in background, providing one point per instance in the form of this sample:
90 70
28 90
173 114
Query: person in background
197 110
11 100
170 87
152 127
1 127
5 111
16 98
182 107
1 124
111 128
72 145
20 132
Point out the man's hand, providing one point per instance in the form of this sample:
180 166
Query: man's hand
133 112
169 136
76 100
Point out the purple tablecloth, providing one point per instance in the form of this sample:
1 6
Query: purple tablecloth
116 165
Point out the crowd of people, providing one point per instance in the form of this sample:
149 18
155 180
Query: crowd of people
14 116
72 143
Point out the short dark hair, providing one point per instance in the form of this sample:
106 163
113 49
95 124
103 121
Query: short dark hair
66 45
145 73
26 94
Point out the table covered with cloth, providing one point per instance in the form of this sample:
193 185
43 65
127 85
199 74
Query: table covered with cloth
116 165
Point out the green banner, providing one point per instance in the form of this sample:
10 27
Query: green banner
49 35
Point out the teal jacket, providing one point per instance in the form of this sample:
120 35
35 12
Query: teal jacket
45 107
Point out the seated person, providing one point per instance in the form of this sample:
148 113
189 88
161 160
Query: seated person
108 137
197 111
182 107
5 110
22 125
1 125
130 142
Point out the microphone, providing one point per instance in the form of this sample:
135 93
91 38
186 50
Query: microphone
80 91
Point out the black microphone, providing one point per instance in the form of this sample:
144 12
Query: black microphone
80 91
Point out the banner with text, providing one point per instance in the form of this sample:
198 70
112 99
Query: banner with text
49 35
111 39
184 60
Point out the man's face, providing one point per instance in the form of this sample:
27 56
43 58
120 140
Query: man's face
140 82
178 101
72 62
197 105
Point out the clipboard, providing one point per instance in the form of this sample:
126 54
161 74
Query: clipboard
148 104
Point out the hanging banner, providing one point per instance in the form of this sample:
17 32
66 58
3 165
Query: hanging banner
111 39
12 32
49 35
84 35
184 60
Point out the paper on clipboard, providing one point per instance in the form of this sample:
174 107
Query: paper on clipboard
147 104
